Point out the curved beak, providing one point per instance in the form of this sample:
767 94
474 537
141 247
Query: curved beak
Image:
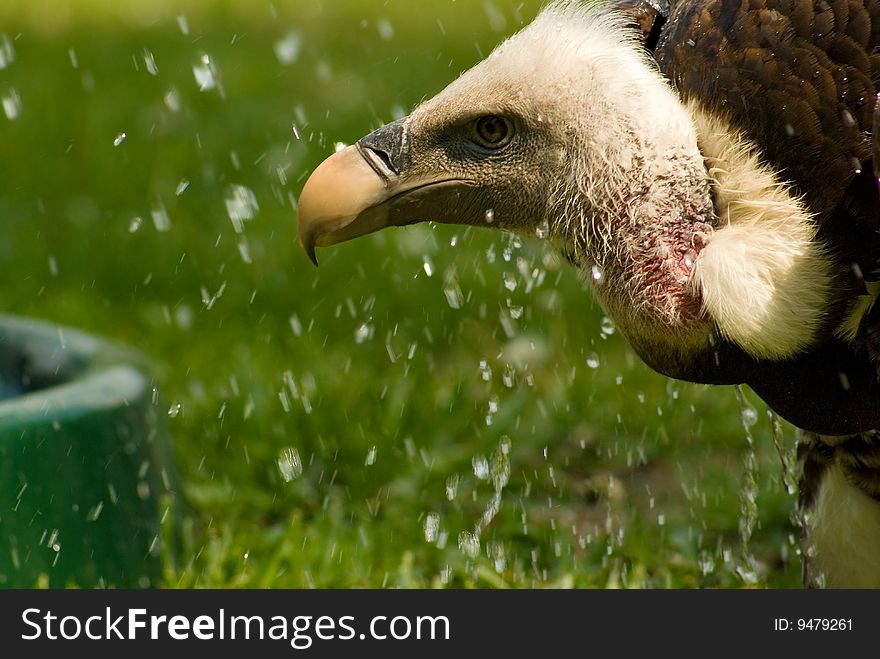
344 197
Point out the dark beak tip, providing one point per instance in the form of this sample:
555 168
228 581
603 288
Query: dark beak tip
309 249
308 241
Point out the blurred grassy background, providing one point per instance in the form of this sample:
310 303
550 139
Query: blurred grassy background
433 406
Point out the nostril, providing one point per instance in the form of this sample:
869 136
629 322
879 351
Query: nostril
384 156
387 149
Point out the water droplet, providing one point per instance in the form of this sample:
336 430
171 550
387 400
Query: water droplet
847 119
452 291
499 470
481 467
7 51
427 266
160 218
244 250
150 63
749 416
172 99
182 186
175 409
119 139
485 370
496 553
606 327
497 20
241 206
452 486
11 104
593 360
371 456
543 229
289 464
386 31
295 325
706 562
490 216
432 527
469 544
287 49
364 331
493 404
95 512
492 508
205 73
509 281
597 274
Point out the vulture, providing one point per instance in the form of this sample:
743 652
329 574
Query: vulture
710 165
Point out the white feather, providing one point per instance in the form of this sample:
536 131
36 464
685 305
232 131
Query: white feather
844 531
763 277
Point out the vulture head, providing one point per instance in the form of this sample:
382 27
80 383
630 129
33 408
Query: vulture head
708 264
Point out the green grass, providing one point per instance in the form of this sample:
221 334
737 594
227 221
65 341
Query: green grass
387 393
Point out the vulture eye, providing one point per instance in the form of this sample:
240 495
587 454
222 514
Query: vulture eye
492 131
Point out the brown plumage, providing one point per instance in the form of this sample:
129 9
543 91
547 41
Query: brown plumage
799 79
728 204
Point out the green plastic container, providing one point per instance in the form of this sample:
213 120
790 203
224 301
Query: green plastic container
87 479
